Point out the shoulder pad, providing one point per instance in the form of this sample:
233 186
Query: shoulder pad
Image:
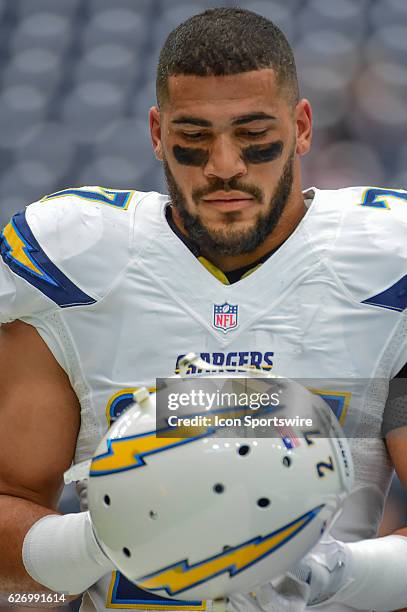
65 250
369 254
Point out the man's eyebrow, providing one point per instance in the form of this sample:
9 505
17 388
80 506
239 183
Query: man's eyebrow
192 121
243 119
252 117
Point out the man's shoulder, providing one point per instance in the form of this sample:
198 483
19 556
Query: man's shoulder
367 246
71 246
90 213
366 196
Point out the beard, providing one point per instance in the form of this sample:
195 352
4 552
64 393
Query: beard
230 241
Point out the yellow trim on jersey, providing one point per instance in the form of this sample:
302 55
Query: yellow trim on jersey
17 247
214 270
116 395
221 276
110 592
113 398
170 607
251 271
346 395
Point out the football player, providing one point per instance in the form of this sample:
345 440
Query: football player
102 291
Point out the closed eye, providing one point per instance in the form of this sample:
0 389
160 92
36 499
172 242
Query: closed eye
193 135
256 133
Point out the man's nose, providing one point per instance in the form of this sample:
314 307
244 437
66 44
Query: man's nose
224 160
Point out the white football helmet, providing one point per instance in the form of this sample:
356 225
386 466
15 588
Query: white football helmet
206 516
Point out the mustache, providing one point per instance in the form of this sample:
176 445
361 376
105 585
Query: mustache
232 184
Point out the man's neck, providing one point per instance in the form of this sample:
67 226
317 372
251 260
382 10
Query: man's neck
290 218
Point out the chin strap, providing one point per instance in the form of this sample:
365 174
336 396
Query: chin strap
79 471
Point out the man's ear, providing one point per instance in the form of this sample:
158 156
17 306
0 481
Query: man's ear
155 131
303 118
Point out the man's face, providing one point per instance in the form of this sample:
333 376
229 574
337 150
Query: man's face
229 148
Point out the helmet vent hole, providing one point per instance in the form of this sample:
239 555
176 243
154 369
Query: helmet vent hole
244 450
225 548
106 500
287 461
153 515
263 502
126 552
218 487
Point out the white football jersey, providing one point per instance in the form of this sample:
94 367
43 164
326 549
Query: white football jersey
119 299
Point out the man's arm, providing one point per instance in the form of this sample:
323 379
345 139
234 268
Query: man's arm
396 441
39 424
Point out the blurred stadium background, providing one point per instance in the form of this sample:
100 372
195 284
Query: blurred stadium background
77 78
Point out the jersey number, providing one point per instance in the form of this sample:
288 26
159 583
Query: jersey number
101 195
374 197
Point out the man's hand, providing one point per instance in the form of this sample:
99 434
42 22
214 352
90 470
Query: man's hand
368 574
285 594
317 577
323 570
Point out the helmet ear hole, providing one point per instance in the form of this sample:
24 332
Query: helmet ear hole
126 552
218 487
263 502
287 461
244 450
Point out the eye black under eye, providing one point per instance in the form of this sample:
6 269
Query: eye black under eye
262 153
190 156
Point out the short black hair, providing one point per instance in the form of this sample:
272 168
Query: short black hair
223 41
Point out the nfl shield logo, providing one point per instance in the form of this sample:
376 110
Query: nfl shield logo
225 316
